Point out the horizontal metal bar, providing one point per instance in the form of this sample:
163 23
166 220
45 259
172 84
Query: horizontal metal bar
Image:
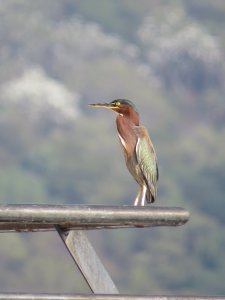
45 217
101 297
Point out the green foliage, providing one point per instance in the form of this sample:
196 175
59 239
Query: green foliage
20 187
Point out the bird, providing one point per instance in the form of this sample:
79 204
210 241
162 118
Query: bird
139 152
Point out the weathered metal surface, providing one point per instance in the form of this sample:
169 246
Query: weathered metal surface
100 297
45 217
88 262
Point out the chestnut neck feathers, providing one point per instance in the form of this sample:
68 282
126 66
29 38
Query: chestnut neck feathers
126 120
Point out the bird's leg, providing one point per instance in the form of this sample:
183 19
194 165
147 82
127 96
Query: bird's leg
136 201
143 195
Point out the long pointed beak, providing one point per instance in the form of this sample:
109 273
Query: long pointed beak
102 105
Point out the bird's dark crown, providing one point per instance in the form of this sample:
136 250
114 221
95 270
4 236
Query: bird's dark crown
123 102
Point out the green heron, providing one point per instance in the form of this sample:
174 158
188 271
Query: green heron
138 149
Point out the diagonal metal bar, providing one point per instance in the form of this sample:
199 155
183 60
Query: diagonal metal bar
87 261
45 217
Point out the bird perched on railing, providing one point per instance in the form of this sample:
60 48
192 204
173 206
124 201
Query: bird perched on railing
138 149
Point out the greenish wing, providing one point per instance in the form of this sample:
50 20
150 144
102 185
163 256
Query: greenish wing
146 158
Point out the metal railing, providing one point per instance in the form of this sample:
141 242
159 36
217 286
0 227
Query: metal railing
99 297
71 222
45 217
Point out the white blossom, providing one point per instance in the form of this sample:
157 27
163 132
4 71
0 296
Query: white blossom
178 48
39 94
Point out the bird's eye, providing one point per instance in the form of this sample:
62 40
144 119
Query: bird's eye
115 103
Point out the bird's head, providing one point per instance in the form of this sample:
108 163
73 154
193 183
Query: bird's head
123 107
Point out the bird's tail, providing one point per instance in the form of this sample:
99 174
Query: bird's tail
151 194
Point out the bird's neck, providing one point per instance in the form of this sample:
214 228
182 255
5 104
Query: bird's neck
127 135
130 117
126 122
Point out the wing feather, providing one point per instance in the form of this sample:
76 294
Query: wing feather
147 161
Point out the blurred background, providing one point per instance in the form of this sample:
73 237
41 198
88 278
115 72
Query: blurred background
57 56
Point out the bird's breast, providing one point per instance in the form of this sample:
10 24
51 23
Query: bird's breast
122 141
